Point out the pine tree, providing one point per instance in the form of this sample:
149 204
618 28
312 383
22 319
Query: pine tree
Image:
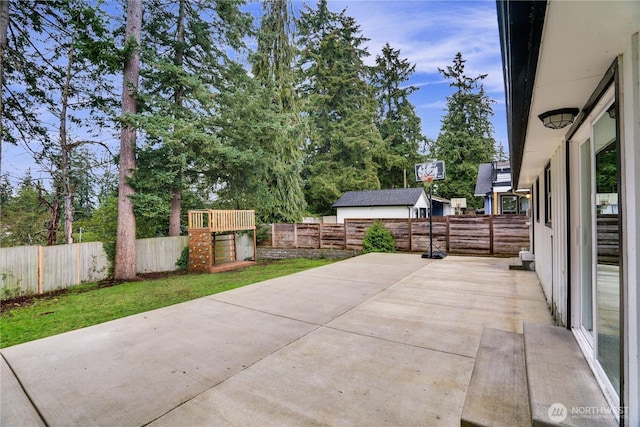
341 108
185 61
399 125
125 255
24 216
284 140
466 137
245 117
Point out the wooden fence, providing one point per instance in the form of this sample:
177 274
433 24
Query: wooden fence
29 270
608 235
469 235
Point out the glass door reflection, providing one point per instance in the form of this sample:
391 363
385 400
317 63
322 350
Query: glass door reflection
608 248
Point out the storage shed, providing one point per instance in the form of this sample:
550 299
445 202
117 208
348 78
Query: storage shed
392 203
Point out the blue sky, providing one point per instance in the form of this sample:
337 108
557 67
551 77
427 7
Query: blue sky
428 33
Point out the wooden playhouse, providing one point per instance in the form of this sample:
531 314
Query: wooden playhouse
214 243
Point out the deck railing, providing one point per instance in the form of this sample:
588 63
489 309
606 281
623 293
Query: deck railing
222 220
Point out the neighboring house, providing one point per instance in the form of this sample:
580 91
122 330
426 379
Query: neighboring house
585 56
394 203
494 185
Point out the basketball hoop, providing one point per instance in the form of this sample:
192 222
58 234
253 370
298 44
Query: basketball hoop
427 178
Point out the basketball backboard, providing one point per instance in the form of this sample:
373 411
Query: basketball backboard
433 168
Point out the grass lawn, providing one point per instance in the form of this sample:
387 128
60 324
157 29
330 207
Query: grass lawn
90 304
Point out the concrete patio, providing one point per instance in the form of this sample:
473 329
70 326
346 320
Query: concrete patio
380 339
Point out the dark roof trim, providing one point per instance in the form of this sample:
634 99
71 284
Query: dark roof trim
520 24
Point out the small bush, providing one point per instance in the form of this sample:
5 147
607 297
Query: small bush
378 239
110 251
262 233
183 262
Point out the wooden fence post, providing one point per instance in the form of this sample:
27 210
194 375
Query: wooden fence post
320 236
490 234
78 266
448 234
40 270
345 233
410 230
295 235
273 235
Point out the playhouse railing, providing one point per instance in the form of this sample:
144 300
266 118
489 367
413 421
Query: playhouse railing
222 220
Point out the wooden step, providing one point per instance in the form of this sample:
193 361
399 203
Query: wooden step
560 380
497 393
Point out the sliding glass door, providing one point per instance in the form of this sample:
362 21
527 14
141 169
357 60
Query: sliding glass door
607 247
596 266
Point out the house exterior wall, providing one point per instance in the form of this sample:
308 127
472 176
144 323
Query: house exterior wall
375 212
556 244
549 241
381 212
630 156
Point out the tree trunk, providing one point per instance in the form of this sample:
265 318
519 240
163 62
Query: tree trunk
174 212
176 191
65 152
54 214
125 260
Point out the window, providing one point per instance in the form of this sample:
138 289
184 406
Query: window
524 205
547 195
509 204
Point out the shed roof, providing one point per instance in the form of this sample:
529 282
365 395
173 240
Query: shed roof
392 197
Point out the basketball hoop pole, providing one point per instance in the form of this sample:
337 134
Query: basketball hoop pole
427 173
431 217
429 179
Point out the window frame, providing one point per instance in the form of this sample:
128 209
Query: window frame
547 195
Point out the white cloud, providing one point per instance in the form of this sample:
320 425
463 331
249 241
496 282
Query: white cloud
430 33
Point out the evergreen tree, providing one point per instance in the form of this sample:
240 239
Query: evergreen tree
244 118
125 251
185 62
340 106
283 141
466 137
399 125
24 216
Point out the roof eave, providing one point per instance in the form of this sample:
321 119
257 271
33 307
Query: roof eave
520 26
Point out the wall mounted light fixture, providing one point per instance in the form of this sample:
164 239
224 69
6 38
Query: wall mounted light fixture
557 119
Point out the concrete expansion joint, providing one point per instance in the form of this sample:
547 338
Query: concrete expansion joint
320 276
266 312
398 342
24 390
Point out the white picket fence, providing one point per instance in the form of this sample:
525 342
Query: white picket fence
29 270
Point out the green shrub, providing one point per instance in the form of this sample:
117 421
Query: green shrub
262 233
378 239
110 251
183 262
